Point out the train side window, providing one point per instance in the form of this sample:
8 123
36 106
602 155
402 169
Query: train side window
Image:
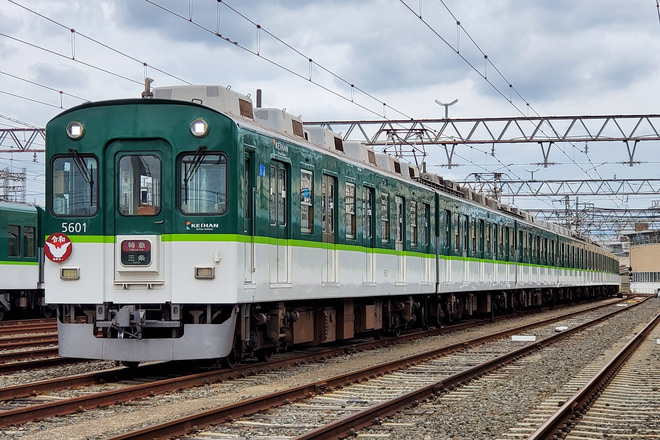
482 237
473 235
272 203
385 217
350 210
399 218
489 238
29 244
424 218
306 205
367 205
202 184
74 188
328 205
13 242
457 232
465 226
413 224
512 242
282 196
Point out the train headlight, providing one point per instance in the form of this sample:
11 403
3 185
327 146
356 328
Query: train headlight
199 127
75 130
204 272
70 273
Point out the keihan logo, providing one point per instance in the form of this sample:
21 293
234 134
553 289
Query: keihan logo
190 226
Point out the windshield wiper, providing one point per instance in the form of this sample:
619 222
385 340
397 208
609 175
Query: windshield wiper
86 173
194 166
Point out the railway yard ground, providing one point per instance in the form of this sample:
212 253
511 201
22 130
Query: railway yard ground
509 402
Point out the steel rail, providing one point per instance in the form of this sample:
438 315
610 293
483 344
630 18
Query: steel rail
41 387
36 340
580 401
18 329
363 418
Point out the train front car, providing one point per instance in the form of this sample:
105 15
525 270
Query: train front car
137 224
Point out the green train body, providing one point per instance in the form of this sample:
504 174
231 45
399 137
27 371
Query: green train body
193 225
21 257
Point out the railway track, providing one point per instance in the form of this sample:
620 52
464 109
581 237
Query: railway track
29 344
153 383
621 400
349 401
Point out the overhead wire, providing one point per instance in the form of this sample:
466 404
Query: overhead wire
281 66
106 46
484 76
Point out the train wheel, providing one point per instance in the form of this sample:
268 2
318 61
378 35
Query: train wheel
230 361
2 312
48 311
265 354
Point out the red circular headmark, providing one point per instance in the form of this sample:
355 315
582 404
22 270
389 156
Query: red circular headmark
58 247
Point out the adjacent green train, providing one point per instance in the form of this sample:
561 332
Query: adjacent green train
192 225
21 258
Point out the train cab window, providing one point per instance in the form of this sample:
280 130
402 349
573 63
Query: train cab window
385 217
29 244
13 242
74 186
350 210
306 205
413 224
202 184
139 185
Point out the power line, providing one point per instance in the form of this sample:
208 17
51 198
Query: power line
110 48
308 77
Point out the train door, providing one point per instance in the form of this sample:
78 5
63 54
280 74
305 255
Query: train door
368 234
248 218
329 222
399 239
280 258
138 197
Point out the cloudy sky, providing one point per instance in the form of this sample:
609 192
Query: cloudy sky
562 57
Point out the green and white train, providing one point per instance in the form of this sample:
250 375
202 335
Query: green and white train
21 258
192 225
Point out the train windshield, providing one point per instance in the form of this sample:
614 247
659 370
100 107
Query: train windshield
203 183
74 188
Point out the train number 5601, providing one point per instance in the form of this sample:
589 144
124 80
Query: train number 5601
73 227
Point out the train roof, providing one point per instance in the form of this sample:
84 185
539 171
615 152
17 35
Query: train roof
277 121
18 207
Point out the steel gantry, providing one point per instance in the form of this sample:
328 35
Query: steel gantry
410 137
21 138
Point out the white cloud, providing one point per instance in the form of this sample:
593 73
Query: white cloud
563 57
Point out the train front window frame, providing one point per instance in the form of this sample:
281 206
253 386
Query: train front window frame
74 186
139 185
203 183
